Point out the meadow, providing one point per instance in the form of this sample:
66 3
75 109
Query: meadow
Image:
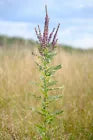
18 72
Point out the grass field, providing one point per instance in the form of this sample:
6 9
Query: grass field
17 75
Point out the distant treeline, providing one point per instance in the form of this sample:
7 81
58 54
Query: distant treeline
10 41
6 41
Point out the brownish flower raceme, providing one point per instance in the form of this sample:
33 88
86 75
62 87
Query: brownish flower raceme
47 39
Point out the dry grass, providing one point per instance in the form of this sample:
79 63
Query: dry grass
17 73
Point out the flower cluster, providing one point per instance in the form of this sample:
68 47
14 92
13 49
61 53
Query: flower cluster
45 39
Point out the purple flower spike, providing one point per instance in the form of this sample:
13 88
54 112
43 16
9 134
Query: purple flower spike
45 40
55 35
45 34
50 36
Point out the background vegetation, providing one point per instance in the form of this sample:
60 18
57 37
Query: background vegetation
17 75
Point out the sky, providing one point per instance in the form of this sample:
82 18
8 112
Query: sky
20 17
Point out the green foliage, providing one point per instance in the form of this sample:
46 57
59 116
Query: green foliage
8 41
47 83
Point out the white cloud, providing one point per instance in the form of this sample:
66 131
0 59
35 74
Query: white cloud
69 36
87 41
84 42
21 29
77 32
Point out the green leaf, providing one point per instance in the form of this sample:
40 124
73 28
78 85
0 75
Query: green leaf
57 67
58 112
41 129
51 83
49 119
43 112
56 88
52 70
51 54
40 67
52 98
37 97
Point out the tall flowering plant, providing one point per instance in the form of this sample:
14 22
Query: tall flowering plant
45 39
46 48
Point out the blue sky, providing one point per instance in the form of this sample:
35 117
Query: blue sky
19 17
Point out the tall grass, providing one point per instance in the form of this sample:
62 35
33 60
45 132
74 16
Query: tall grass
17 73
